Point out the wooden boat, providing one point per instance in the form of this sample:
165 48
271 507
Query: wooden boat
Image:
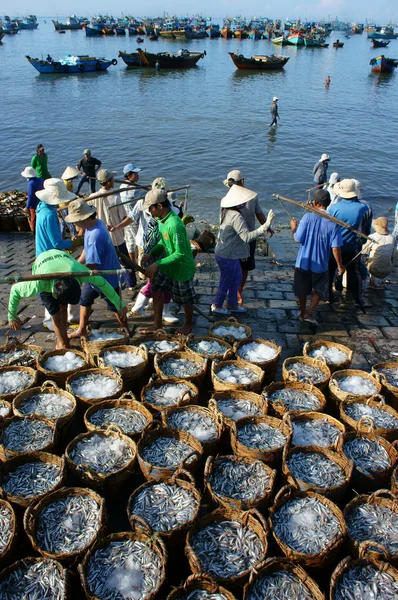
93 30
213 32
71 64
226 32
120 30
260 63
295 39
178 33
131 59
382 64
72 23
191 34
108 31
140 40
379 43
154 37
385 33
280 41
171 60
29 22
314 42
338 44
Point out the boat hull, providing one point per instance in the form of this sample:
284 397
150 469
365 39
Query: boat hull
56 68
382 36
64 26
28 25
382 64
295 40
165 60
259 63
131 59
280 41
226 32
93 31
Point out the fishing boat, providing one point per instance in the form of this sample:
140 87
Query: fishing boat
383 33
154 37
119 30
182 59
29 22
71 64
314 42
226 32
338 44
280 41
72 23
194 34
131 59
260 63
93 30
382 64
213 31
379 43
295 39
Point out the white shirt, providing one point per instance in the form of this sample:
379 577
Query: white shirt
142 219
110 216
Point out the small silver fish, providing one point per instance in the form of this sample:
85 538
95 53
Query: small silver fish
37 580
365 582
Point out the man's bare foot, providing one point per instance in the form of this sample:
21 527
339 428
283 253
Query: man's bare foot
240 299
61 346
185 329
76 334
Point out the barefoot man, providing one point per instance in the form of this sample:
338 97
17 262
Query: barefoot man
174 272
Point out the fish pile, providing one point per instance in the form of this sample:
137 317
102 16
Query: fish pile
391 375
104 336
129 420
112 358
241 480
127 569
382 419
316 470
296 400
369 456
68 525
167 394
180 367
26 434
102 453
41 579
5 410
374 522
31 479
208 348
306 525
233 331
270 586
52 406
18 357
167 452
6 519
165 506
233 374
159 347
314 432
226 549
95 386
202 595
255 352
238 409
261 436
365 581
64 362
12 382
361 386
196 422
306 372
333 355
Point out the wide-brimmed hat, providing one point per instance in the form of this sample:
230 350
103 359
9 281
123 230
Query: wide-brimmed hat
334 178
55 192
236 196
154 197
160 183
346 189
325 157
130 168
79 210
380 225
104 175
70 173
29 172
233 177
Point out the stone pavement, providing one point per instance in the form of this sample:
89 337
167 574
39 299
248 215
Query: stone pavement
272 307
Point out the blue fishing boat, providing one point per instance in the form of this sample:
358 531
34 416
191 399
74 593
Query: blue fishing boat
132 59
383 33
382 64
295 39
29 22
71 64
94 30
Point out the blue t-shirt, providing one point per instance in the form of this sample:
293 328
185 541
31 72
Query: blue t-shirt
48 231
99 251
352 213
316 236
34 185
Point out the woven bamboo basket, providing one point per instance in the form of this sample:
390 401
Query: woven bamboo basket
29 371
271 456
158 337
388 390
128 373
317 416
199 581
278 408
290 375
338 395
7 453
49 387
95 347
59 377
197 378
95 479
220 385
7 549
208 447
394 481
316 344
268 366
87 402
156 473
255 399
334 493
227 354
5 409
329 553
212 464
189 396
271 565
44 457
13 343
25 563
123 402
230 322
378 402
250 519
32 515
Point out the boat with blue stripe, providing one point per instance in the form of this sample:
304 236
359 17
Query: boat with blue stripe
71 64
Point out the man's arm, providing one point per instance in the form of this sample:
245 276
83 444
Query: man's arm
261 218
54 234
33 162
98 164
24 289
339 260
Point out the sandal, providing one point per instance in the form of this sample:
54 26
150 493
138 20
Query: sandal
220 311
239 309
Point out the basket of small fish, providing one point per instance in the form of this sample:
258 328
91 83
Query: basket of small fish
14 380
132 361
28 477
101 459
353 383
316 429
199 421
103 338
373 518
306 370
34 577
64 524
95 385
22 435
308 527
159 343
230 330
161 451
295 398
8 530
209 347
200 587
127 414
388 372
227 544
57 365
46 401
318 469
233 405
158 395
261 438
16 354
279 578
174 366
239 483
384 418
262 353
168 507
129 565
236 375
337 356
5 409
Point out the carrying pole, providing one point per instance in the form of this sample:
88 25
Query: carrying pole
76 275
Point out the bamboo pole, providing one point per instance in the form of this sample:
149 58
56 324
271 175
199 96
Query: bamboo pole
50 276
184 187
109 193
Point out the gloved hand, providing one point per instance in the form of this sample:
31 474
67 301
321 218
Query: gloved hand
269 220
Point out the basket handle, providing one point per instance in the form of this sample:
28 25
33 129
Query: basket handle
160 333
48 384
228 354
376 375
219 419
208 468
306 348
339 443
382 494
186 459
152 426
127 396
183 397
94 356
279 404
292 375
212 404
378 398
285 492
138 524
365 425
321 359
211 584
232 320
183 475
253 512
367 546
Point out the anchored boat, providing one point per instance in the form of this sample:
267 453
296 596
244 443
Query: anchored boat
72 23
263 63
71 64
379 43
131 59
382 64
170 60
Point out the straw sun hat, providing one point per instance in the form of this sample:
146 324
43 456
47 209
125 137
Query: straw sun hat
380 225
236 196
55 192
154 196
29 172
70 173
346 189
233 176
79 210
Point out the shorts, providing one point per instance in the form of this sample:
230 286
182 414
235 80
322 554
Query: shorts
182 292
249 264
89 294
50 303
307 281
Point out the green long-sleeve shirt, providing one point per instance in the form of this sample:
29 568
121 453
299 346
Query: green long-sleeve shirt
178 263
55 261
39 163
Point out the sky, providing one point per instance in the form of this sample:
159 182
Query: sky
350 10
